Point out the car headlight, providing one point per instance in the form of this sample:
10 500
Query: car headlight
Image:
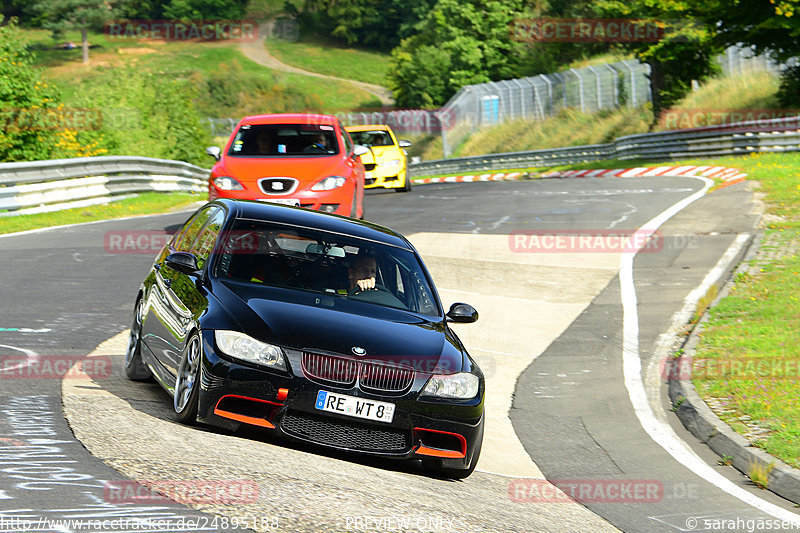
393 164
329 183
462 386
247 348
226 183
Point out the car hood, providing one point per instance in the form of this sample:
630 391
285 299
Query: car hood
386 153
303 168
328 324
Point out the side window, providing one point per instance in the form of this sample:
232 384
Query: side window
193 229
205 242
348 144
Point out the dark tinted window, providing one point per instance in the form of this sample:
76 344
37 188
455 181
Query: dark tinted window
324 263
372 138
278 140
188 235
204 244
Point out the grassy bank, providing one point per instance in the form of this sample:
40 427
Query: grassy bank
746 364
227 83
332 59
751 337
570 127
144 204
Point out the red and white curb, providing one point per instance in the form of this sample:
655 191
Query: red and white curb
726 174
503 176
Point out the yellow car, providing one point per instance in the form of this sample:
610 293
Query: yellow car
386 165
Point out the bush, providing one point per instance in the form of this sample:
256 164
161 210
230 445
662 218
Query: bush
789 90
147 114
33 122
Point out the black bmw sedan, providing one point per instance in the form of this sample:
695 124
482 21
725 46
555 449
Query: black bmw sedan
321 328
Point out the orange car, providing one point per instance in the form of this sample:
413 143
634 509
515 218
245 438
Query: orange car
293 159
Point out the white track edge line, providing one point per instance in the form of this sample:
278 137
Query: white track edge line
661 433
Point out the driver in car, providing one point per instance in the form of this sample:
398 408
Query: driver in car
361 273
318 143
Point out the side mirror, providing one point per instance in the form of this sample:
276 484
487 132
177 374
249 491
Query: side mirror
462 313
360 149
214 152
402 143
183 262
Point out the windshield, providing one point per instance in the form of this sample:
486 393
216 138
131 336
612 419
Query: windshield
265 140
372 138
335 265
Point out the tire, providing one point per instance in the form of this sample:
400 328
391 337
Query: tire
406 184
435 465
187 382
135 368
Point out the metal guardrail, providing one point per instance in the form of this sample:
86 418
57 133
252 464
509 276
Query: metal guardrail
775 135
40 186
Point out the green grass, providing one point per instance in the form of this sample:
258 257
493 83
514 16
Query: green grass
201 61
756 324
143 204
568 128
754 90
333 59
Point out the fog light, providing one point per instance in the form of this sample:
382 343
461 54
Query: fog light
329 208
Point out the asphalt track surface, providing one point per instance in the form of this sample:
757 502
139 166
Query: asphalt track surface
64 293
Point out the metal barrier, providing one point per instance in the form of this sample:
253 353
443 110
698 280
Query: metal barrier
41 186
777 135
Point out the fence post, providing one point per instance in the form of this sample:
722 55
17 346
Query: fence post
614 88
599 88
580 89
633 84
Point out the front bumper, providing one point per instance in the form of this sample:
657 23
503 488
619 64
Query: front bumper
378 178
233 394
338 201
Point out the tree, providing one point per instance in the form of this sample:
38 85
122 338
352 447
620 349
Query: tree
769 26
365 22
84 15
686 51
458 43
33 122
199 10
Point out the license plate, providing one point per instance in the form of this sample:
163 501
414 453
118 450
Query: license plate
283 201
333 402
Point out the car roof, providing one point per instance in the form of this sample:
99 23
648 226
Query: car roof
290 118
298 216
368 127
